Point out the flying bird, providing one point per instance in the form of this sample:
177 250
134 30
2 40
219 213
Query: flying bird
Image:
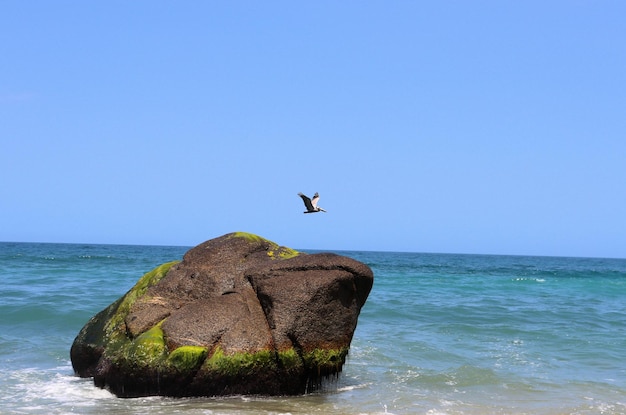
311 204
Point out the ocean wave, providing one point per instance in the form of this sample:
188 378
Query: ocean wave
34 391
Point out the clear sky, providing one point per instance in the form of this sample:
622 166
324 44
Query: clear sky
426 126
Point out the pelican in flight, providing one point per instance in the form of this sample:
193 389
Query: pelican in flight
311 204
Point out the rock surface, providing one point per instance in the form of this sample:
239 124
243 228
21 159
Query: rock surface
238 315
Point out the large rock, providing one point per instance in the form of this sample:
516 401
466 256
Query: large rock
238 315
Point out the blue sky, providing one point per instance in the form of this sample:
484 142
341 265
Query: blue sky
440 126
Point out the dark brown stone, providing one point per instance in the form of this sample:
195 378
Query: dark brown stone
238 315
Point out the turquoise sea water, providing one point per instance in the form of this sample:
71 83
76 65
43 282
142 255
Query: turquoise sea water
439 334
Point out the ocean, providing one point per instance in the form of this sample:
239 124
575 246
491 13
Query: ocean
439 334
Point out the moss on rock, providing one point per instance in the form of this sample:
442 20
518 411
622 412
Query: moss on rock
250 237
146 351
239 364
325 361
149 348
116 325
274 251
290 359
282 253
187 358
105 333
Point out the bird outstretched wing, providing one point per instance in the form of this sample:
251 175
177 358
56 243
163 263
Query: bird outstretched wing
316 197
307 202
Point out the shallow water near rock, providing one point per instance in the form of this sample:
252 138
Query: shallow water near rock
439 334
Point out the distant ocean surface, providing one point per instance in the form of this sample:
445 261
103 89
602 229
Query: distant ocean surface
439 334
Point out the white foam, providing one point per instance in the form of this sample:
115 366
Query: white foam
529 279
39 391
353 387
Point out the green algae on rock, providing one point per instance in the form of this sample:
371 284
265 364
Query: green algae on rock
239 363
238 315
121 311
274 250
187 358
106 330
